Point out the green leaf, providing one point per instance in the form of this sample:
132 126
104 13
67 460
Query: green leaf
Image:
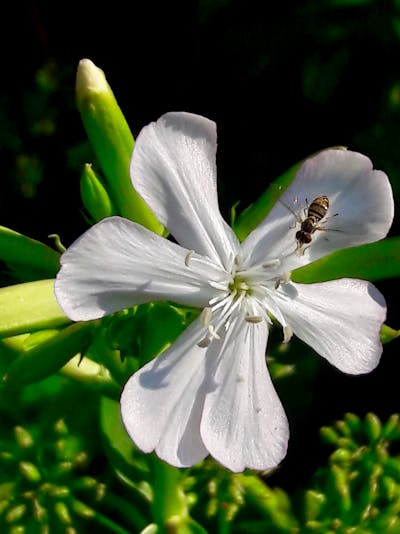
254 214
29 307
47 358
160 324
375 261
112 142
388 334
27 258
118 445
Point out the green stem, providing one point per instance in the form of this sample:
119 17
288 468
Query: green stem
84 511
50 356
169 504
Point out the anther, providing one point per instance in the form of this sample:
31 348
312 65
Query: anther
253 319
283 279
204 342
212 334
188 256
287 334
205 316
272 263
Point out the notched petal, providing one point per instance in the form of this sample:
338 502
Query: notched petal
243 423
117 264
340 320
161 404
174 169
360 210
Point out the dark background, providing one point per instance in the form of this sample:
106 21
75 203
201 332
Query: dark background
282 80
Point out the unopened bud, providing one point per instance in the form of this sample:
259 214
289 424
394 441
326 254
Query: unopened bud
112 142
94 195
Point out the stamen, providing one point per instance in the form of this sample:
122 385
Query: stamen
228 323
212 333
216 299
243 286
204 343
226 301
287 334
283 279
205 316
188 256
253 319
260 268
227 311
218 285
272 263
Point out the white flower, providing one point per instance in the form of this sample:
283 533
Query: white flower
210 392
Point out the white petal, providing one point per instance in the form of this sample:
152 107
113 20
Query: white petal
340 320
243 423
117 264
174 169
161 404
361 197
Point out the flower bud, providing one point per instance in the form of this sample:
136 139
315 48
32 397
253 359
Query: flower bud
94 195
23 437
112 142
30 472
27 258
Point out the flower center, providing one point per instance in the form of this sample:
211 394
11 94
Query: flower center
249 294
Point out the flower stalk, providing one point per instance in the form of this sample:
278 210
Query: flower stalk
29 307
27 258
169 507
48 357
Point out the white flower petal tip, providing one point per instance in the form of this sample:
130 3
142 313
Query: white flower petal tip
341 320
117 264
361 196
183 408
174 169
359 210
161 404
243 423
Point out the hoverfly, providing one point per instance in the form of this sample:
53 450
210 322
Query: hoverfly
316 211
315 214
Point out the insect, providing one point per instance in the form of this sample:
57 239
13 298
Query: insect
311 221
316 211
